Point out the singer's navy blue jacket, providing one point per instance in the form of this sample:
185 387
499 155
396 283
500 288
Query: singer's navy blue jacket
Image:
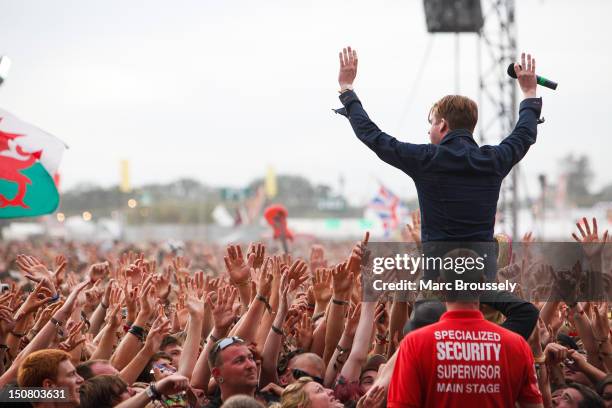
457 181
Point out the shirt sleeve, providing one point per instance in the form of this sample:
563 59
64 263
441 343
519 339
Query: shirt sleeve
405 387
529 392
515 146
407 157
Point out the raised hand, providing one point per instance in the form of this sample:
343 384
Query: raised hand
7 321
600 323
348 67
353 320
555 353
7 297
359 255
298 272
259 250
150 267
173 384
321 285
342 280
107 293
382 320
513 271
94 294
146 300
33 269
590 239
576 360
135 273
74 339
566 284
66 310
265 279
222 310
195 298
525 73
304 330
131 299
43 315
39 296
159 330
317 258
211 285
283 293
113 317
199 284
99 270
60 267
238 271
162 283
181 266
374 398
412 233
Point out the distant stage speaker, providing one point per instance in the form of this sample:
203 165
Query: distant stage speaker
453 16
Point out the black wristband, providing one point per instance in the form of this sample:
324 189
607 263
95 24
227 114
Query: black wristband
138 331
277 330
318 316
264 300
56 322
155 395
138 336
340 302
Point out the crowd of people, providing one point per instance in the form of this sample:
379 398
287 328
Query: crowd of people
197 325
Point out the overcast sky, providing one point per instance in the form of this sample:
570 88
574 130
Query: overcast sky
219 90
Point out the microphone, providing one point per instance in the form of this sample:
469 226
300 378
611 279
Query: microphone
541 80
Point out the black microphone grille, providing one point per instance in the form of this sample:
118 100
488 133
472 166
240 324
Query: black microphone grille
511 71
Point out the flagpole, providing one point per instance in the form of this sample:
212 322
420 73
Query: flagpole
5 64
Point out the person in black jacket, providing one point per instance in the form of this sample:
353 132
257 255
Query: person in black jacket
457 181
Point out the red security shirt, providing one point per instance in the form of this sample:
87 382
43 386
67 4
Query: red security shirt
463 361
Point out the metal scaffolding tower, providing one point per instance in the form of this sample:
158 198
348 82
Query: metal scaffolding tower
497 96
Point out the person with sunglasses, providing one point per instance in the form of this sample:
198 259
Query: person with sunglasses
303 365
233 368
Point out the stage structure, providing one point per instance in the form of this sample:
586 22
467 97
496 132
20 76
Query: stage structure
493 22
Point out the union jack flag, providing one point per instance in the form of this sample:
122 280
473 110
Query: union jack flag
389 209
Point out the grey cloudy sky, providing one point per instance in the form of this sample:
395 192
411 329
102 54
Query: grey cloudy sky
218 90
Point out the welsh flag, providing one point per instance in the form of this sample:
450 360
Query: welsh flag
29 159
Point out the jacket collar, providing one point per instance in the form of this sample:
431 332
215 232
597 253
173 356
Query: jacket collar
457 133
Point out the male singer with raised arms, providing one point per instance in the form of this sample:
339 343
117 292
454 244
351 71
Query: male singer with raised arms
457 181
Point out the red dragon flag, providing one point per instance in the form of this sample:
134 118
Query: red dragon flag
29 159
